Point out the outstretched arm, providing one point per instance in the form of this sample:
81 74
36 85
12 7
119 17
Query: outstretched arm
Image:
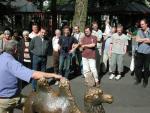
39 75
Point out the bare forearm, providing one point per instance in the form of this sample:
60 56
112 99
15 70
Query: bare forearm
75 46
38 75
138 39
110 48
89 45
99 40
147 41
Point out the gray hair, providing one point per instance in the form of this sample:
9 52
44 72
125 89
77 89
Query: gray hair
9 47
7 32
25 32
57 30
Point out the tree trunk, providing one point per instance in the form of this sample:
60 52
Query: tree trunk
80 15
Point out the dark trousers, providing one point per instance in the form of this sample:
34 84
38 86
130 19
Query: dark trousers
38 64
142 67
79 58
76 62
56 61
27 64
64 65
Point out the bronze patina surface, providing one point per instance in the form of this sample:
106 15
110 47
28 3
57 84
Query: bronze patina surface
48 100
94 98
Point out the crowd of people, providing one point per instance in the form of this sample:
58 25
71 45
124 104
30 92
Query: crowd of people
90 52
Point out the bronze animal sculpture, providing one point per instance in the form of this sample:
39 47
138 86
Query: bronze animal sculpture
93 99
47 100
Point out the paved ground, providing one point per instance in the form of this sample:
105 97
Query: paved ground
128 98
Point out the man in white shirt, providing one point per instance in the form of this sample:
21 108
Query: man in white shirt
35 31
98 33
77 54
56 50
77 33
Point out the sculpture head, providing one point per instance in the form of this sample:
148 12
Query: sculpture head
96 96
64 83
44 87
42 82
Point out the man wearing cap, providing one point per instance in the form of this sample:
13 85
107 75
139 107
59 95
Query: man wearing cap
10 72
3 41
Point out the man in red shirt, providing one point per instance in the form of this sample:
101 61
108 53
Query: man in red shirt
88 44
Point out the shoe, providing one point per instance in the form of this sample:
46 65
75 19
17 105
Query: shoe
111 76
33 90
118 77
82 76
138 81
145 84
56 83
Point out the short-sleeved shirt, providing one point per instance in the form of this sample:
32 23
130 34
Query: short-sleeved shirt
33 35
10 71
142 47
66 44
118 43
78 36
89 53
99 35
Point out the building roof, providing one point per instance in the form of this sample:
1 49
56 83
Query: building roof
94 7
133 7
68 6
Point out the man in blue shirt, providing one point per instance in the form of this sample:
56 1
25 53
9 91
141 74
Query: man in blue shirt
143 53
10 71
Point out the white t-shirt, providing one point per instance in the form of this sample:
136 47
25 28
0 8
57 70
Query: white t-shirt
55 43
78 36
99 35
32 35
119 43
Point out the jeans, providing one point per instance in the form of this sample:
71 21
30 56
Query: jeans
89 65
7 105
64 65
142 66
117 60
38 64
